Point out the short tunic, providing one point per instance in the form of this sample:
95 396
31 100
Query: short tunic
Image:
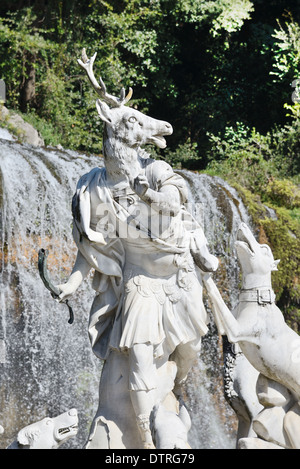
161 312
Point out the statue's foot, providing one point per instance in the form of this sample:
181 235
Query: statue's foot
149 446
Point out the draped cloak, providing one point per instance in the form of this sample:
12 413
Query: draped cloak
107 256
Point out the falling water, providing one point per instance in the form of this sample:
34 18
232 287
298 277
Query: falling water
46 364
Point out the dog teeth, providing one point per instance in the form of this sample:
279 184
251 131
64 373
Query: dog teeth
64 430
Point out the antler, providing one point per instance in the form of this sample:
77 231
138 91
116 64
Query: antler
87 65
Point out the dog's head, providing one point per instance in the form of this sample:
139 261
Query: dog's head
49 433
254 257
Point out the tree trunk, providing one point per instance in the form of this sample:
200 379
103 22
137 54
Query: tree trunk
27 90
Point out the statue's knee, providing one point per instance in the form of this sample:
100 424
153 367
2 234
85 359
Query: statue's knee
185 352
141 355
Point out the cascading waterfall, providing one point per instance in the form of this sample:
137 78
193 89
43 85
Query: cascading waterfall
46 365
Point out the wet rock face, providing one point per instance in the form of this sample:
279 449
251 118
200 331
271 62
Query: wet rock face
25 132
46 365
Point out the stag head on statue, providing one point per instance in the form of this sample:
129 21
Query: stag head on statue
125 129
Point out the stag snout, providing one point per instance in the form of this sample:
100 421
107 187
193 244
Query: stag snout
135 128
161 129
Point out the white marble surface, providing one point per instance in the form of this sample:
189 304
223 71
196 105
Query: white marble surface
131 226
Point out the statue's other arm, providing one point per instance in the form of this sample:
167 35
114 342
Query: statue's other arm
167 198
79 273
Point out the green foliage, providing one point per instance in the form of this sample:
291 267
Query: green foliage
226 15
209 62
232 16
184 156
242 154
284 193
286 51
20 42
286 148
47 129
219 71
281 233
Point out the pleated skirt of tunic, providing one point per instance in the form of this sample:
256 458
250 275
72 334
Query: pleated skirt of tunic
158 311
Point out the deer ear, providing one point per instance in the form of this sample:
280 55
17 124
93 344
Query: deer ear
103 111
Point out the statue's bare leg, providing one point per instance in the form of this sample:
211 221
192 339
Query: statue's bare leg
142 385
184 357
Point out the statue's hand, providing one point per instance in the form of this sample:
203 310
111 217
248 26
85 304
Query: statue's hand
66 290
140 185
95 237
204 259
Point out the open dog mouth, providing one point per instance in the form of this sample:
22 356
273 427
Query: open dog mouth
243 241
65 430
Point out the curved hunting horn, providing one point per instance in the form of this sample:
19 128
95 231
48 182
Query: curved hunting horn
43 271
100 88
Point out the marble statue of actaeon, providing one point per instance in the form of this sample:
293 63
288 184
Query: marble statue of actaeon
148 253
271 347
48 433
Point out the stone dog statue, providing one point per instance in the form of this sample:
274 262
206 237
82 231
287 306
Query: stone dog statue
270 345
49 433
170 429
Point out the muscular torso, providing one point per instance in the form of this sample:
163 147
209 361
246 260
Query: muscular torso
127 217
137 226
148 260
